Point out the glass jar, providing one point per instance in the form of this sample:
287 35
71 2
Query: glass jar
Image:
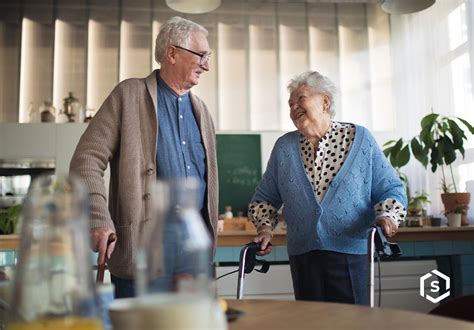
53 286
174 269
228 212
47 112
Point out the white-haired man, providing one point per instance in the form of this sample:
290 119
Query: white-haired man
146 129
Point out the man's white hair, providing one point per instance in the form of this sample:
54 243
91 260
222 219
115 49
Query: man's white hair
176 31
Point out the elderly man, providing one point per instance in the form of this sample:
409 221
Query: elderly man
148 128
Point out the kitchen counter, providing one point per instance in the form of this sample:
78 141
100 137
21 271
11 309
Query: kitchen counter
242 237
405 234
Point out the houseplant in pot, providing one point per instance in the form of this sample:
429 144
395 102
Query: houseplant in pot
416 204
454 215
439 143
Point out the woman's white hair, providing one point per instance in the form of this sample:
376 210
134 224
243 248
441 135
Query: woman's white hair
318 83
176 31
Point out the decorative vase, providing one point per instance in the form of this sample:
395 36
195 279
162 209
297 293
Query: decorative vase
452 200
454 219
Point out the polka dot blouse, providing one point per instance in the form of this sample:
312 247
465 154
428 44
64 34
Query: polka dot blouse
321 164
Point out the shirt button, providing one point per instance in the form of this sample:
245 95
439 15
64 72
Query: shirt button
189 167
146 196
149 171
179 99
184 142
181 116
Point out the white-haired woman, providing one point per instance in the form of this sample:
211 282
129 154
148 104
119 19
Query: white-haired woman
334 183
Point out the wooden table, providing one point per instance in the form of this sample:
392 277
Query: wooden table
273 314
405 234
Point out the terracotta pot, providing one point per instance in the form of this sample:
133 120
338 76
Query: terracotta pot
451 200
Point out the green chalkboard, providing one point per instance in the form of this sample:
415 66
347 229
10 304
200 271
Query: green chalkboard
240 170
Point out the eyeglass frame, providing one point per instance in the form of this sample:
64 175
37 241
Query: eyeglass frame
205 58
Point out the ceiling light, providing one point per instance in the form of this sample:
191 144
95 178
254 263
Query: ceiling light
405 6
193 6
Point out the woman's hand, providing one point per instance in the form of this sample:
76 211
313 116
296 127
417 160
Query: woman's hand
264 238
389 227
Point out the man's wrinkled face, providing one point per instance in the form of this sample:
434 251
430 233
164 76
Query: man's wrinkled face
188 66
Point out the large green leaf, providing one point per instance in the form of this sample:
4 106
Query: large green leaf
469 126
403 156
448 150
394 153
420 153
429 120
456 132
389 142
458 136
426 136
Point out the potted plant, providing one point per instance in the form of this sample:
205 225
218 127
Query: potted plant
440 141
454 215
416 204
9 219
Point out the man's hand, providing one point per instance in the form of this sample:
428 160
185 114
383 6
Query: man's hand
264 237
103 241
389 227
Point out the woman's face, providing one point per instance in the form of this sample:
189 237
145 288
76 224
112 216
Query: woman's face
308 110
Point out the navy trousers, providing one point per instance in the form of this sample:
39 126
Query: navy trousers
123 288
330 276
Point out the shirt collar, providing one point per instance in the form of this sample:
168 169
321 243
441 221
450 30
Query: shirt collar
162 84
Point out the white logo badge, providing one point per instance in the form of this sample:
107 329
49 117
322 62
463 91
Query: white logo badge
434 286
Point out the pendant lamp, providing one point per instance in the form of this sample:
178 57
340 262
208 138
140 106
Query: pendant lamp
405 6
193 6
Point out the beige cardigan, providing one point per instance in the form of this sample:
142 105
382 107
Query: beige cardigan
123 133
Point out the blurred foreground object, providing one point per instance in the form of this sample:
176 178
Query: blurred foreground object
53 285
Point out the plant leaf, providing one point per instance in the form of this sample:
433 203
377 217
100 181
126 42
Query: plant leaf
428 120
419 152
448 150
469 126
388 147
434 159
403 156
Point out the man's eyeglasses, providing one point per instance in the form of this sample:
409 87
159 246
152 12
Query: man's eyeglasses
205 58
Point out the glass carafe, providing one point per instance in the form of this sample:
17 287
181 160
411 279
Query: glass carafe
53 286
173 276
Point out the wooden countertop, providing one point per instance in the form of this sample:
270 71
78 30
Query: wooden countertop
273 314
242 237
405 234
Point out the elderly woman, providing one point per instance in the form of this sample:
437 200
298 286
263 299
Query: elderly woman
334 183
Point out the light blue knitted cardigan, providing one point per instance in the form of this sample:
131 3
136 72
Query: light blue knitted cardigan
342 220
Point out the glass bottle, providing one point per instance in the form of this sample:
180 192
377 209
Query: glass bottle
32 113
174 269
53 286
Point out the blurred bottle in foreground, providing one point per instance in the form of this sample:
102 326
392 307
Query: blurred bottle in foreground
174 268
53 286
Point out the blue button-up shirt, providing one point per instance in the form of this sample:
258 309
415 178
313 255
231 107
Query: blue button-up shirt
180 152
